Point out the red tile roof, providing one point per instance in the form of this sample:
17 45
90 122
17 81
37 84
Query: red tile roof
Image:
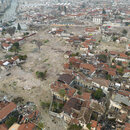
1 62
113 53
15 58
31 115
34 114
5 111
57 86
88 67
3 127
74 121
74 60
125 71
11 40
66 66
99 127
90 41
118 67
113 73
105 65
94 124
125 63
5 45
85 96
123 55
28 126
125 93
3 104
91 29
127 126
110 71
85 45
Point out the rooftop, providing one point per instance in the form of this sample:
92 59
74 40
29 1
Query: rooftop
127 126
102 82
88 67
28 126
94 124
5 45
3 127
57 86
66 78
73 103
84 96
6 110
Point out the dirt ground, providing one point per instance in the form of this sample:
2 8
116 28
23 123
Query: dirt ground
112 46
23 81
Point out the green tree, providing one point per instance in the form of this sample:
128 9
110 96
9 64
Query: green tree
62 92
65 9
46 41
120 71
124 32
108 77
114 38
3 31
113 60
127 53
119 63
79 92
10 121
102 58
106 50
98 94
59 8
41 75
74 127
18 100
103 11
40 126
89 126
22 57
19 27
15 48
16 44
129 64
45 105
11 30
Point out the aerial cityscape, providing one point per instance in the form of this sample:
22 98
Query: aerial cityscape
64 64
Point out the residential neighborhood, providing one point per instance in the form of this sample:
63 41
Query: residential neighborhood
65 65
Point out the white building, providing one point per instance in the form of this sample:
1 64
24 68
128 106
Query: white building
128 48
97 20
